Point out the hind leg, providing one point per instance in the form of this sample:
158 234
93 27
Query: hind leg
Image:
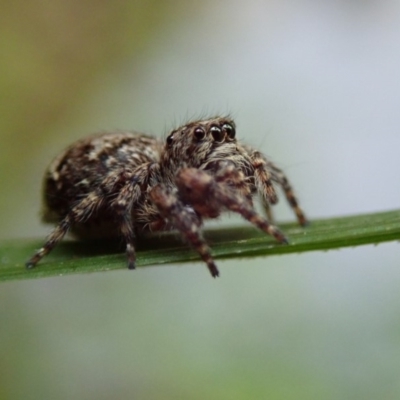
92 205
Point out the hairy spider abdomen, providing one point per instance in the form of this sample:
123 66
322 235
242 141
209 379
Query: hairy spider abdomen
85 164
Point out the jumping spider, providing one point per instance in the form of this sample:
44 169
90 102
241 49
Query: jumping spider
125 183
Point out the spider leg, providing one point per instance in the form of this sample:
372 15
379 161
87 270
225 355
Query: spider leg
227 173
81 212
185 221
268 211
122 204
128 234
279 177
202 191
52 240
263 178
85 209
265 172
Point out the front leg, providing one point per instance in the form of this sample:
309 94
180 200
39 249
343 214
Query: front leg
279 176
265 172
185 220
207 195
263 178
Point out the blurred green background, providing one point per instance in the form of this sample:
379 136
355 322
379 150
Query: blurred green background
315 86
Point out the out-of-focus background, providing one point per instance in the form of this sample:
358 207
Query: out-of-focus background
315 85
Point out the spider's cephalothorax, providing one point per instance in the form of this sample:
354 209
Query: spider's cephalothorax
125 183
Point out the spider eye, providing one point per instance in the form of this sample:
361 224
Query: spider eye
230 130
170 139
199 133
217 133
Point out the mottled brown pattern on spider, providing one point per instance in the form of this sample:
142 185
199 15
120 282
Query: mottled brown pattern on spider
125 183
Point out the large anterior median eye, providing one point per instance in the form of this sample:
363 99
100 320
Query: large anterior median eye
217 133
230 130
199 133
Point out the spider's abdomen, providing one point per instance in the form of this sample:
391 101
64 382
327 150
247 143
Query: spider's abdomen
86 163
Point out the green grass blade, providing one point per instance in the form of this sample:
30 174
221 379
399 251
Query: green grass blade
82 257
